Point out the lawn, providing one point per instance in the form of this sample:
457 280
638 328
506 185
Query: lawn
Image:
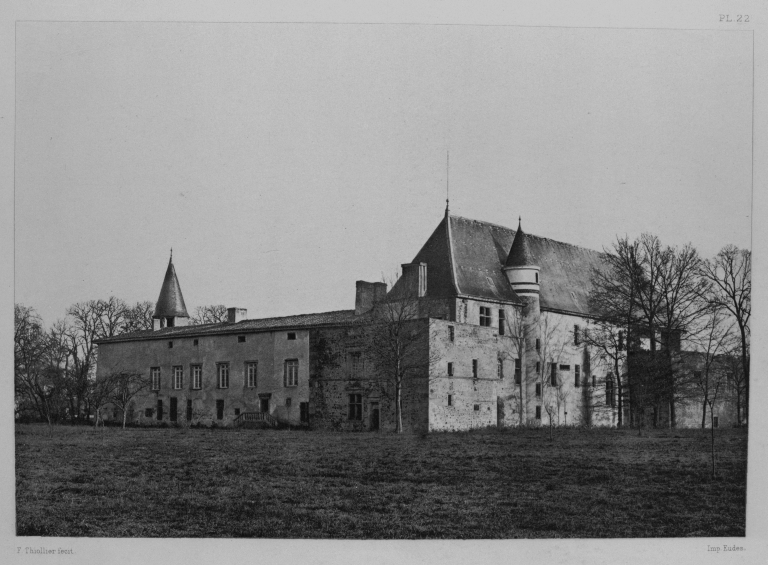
299 484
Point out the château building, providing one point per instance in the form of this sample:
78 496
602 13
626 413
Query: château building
501 316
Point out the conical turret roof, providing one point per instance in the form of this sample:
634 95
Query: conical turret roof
170 303
520 253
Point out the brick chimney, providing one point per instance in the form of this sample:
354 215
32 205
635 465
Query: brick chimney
367 294
415 279
235 315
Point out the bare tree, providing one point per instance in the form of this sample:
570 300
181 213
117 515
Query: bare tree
124 386
138 317
606 349
551 346
712 344
518 331
730 278
211 314
396 340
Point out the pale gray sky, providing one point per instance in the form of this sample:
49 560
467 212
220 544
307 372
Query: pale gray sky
282 162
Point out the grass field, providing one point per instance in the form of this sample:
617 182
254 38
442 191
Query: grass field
292 484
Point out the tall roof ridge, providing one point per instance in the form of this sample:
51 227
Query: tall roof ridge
170 303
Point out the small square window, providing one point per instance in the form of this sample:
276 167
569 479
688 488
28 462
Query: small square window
237 411
288 402
291 336
170 345
241 339
148 412
477 407
196 342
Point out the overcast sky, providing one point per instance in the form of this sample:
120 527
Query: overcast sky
282 162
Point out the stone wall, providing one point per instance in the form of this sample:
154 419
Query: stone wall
268 349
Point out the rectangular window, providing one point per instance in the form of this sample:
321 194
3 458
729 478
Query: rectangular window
223 369
565 367
538 389
291 372
197 376
251 370
159 409
538 412
147 412
518 371
538 344
237 411
474 368
553 374
485 316
291 336
155 372
195 343
621 340
451 333
577 376
697 375
538 367
715 421
594 381
170 345
450 369
500 368
189 410
178 377
502 321
355 407
450 400
220 409
304 412
355 363
174 408
477 407
576 336
241 339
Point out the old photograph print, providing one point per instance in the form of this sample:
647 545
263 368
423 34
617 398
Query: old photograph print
381 281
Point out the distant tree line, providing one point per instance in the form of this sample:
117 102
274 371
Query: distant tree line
673 327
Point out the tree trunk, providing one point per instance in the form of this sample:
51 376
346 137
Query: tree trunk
704 413
125 416
712 435
398 406
619 390
745 368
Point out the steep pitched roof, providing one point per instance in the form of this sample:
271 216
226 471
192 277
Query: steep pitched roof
301 321
466 258
170 302
520 253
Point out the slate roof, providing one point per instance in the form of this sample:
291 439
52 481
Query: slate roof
170 302
466 258
520 254
301 321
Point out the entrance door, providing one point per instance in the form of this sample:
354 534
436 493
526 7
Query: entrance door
374 426
264 405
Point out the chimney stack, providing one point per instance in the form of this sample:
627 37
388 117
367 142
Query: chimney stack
367 294
235 315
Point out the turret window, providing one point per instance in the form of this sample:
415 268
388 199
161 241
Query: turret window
502 320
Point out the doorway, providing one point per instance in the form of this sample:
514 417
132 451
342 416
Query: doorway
264 405
374 423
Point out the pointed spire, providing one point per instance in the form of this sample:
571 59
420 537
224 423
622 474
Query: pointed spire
170 303
447 180
519 254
